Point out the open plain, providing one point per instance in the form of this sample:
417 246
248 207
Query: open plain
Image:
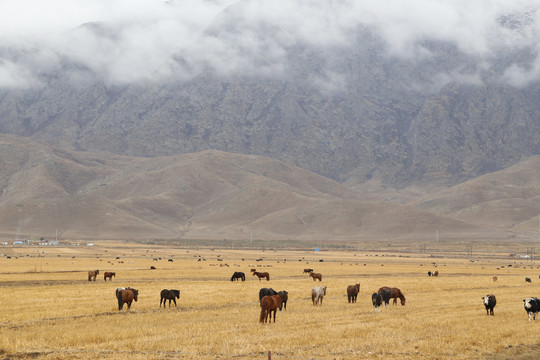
51 311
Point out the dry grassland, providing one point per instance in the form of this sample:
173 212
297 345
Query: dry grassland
50 311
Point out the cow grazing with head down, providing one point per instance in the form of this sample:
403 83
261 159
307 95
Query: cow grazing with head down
527 279
489 302
532 306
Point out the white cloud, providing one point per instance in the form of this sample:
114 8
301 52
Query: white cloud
124 41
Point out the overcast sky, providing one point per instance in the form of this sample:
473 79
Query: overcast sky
142 40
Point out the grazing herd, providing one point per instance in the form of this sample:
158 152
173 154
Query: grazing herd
270 300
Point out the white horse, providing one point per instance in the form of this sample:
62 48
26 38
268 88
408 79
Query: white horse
317 294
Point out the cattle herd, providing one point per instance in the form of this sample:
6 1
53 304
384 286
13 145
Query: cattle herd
270 300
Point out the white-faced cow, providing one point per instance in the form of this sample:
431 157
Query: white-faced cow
489 302
532 306
376 300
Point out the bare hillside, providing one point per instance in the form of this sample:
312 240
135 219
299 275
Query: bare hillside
506 199
210 195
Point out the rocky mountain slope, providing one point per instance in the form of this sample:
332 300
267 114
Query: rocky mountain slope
349 111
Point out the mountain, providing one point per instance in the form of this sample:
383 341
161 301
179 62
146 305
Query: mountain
355 110
205 195
337 121
507 199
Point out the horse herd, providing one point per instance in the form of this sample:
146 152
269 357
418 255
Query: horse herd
126 295
92 275
270 300
384 294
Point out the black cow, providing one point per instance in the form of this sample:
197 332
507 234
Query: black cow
376 300
527 279
532 306
489 302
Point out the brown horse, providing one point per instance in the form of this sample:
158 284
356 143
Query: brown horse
352 292
269 304
315 276
261 275
109 275
126 296
395 293
92 274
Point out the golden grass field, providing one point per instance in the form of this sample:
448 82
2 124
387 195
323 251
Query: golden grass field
50 311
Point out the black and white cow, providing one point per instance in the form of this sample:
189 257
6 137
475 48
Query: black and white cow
532 306
376 300
489 302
